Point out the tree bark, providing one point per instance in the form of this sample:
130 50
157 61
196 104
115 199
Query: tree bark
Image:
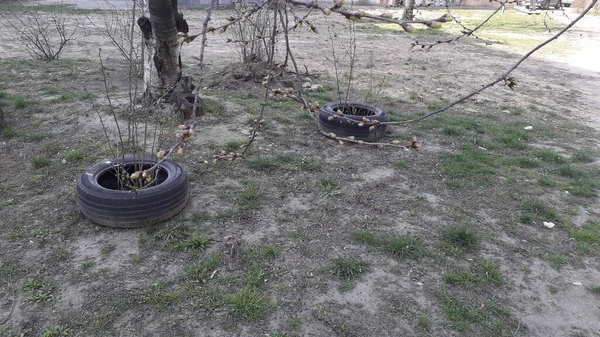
162 65
409 6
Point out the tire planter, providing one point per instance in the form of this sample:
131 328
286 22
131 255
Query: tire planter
101 202
349 126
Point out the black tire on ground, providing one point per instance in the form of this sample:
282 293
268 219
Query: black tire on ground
126 209
355 112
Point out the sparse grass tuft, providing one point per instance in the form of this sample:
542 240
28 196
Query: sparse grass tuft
259 255
75 155
233 146
249 304
348 268
481 272
212 106
203 270
158 296
557 260
405 246
537 210
587 237
461 236
40 162
249 197
364 237
271 163
488 315
329 187
196 242
583 156
59 331
595 290
20 101
550 157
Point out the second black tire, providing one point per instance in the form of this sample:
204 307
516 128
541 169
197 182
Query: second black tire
349 126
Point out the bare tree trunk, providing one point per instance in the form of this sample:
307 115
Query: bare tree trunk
409 6
162 66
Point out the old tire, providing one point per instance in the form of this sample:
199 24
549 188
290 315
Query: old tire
102 203
349 126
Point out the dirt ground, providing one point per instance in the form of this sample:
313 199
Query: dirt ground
283 220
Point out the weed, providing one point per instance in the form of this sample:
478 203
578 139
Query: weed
558 260
405 246
158 296
400 164
364 237
595 290
549 156
488 315
106 250
538 210
209 299
329 187
481 272
278 162
348 268
249 197
50 90
20 101
33 284
197 243
203 271
424 323
461 236
255 277
587 237
9 132
75 155
36 136
249 304
63 98
87 264
212 106
41 296
86 96
259 255
583 156
234 146
40 162
17 234
59 331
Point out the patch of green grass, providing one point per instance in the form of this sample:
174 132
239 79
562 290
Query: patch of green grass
570 171
595 290
9 132
547 181
462 236
166 237
473 164
249 196
537 210
259 255
212 106
404 246
348 268
364 237
196 242
249 304
587 237
557 260
86 96
87 264
329 187
36 136
488 316
203 270
75 155
20 101
524 162
550 157
583 156
159 297
255 277
209 299
271 163
424 323
40 162
59 331
481 271
233 146
63 98
400 164
50 90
